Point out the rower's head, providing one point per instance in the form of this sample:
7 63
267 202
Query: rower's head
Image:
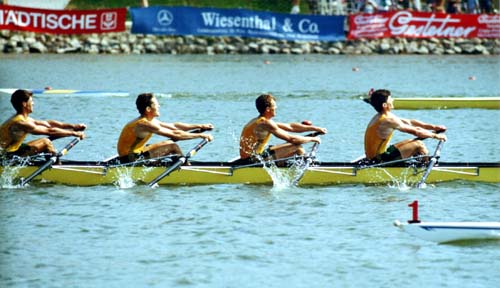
266 103
22 99
380 99
147 104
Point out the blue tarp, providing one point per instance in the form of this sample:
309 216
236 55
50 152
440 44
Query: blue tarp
236 22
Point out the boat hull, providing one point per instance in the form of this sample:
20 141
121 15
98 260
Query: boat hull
324 174
447 103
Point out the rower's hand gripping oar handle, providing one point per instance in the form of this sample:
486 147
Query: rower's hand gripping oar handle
179 162
51 161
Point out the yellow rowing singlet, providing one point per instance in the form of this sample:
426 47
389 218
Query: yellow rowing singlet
7 141
128 142
374 145
249 142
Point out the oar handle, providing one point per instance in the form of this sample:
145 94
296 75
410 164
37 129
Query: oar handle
314 134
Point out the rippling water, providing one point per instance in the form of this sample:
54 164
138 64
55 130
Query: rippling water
247 235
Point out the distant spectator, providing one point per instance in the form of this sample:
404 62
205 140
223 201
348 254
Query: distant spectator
454 7
439 6
472 6
366 6
384 5
295 7
486 6
313 6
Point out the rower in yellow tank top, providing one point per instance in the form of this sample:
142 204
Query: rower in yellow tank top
14 130
374 144
134 135
129 143
253 139
257 133
9 142
381 128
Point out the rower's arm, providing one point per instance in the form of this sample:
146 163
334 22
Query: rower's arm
34 128
403 126
276 130
418 123
174 134
299 127
61 125
187 127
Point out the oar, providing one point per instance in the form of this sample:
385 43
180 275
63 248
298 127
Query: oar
309 159
432 162
177 164
51 161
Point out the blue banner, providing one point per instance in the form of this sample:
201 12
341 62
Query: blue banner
236 22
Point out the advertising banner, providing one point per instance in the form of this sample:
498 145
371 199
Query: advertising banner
236 22
62 21
409 24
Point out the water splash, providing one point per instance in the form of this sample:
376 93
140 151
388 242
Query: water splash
399 184
284 178
124 178
8 176
11 171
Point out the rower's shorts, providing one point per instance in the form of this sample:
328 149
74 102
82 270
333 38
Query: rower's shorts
392 153
134 157
24 150
267 154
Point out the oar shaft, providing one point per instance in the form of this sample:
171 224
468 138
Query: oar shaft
177 164
309 159
432 162
51 161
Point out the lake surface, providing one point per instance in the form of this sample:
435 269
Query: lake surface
248 235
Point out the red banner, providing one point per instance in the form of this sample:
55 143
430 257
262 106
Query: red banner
409 24
62 21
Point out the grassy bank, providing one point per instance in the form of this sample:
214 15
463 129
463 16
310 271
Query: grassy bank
283 6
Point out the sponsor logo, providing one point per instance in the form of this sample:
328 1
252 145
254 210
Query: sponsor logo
404 23
489 19
369 19
109 20
164 17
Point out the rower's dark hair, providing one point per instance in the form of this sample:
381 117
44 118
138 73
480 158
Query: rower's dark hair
263 101
143 101
378 98
18 97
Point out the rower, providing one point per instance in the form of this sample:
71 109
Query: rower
135 134
381 128
257 133
15 129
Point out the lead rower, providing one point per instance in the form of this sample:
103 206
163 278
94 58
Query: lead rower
381 128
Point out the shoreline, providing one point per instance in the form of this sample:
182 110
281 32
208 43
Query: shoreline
15 42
